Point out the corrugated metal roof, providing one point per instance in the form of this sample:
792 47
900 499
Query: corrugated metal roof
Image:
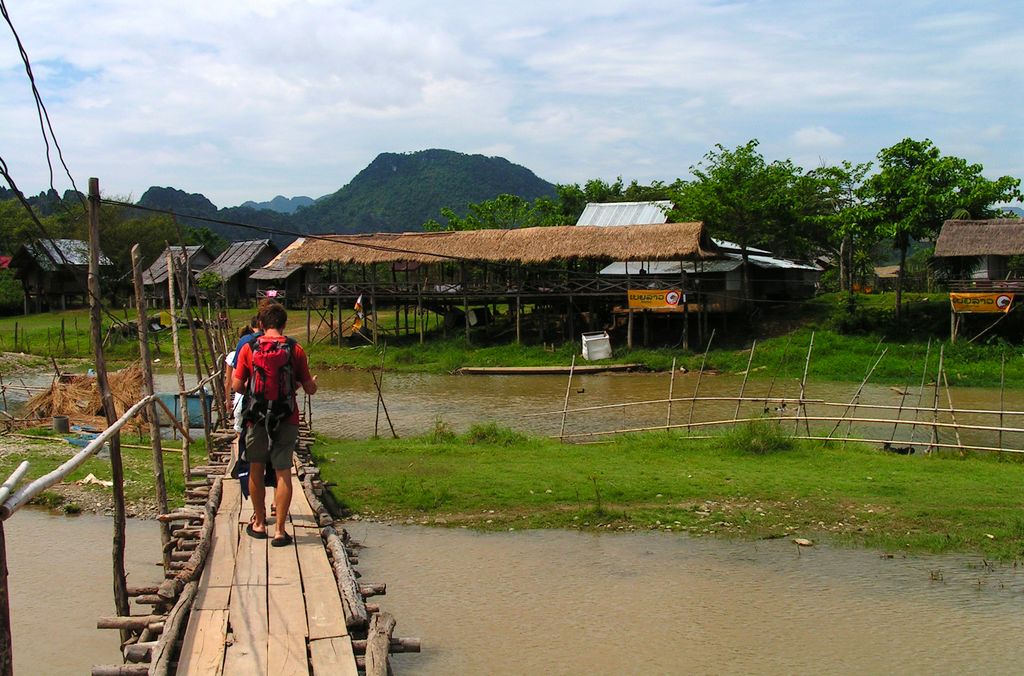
625 213
157 272
238 257
51 254
279 268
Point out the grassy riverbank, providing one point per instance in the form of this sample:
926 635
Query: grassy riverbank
45 453
847 342
754 483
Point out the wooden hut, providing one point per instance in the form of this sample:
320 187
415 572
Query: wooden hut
551 269
235 265
154 279
985 247
53 273
281 279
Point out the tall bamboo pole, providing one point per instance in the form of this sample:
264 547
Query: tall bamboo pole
856 395
1003 389
800 408
186 440
671 387
935 398
116 468
700 376
746 374
949 398
154 424
568 387
920 392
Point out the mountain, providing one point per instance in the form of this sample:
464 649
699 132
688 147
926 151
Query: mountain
396 192
195 204
281 204
399 192
1016 211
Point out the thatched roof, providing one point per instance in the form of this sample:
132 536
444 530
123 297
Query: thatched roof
994 237
280 267
665 241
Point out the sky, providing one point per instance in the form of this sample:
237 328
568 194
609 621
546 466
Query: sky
245 100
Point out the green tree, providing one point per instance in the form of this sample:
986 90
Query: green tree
741 197
504 212
917 188
843 216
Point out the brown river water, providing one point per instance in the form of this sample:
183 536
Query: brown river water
562 602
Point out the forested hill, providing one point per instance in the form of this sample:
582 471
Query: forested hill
396 192
401 191
194 204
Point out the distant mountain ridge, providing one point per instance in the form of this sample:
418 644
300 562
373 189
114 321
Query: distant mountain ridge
396 192
399 192
281 204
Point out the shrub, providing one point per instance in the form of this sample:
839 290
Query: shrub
760 437
492 433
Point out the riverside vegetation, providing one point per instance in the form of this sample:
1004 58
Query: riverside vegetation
753 482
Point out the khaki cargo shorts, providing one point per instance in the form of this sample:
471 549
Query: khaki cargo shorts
277 450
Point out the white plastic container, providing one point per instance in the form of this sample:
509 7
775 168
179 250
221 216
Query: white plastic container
596 346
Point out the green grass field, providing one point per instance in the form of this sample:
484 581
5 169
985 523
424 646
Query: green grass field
753 483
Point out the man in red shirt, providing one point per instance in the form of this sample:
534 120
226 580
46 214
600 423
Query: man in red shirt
274 445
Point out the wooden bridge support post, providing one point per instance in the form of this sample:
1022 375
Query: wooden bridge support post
629 329
186 465
116 469
420 313
6 642
183 282
154 424
519 316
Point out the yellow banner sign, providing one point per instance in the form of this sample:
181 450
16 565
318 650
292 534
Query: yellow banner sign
654 299
981 302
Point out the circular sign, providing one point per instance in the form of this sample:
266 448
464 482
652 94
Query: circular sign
1003 301
672 298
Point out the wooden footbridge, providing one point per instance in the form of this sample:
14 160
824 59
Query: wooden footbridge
232 604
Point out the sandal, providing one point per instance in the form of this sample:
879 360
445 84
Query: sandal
258 534
282 541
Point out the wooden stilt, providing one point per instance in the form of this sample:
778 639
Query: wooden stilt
116 468
147 385
178 368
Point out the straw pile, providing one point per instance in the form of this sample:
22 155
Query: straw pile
79 396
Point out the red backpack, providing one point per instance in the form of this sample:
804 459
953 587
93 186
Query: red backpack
270 395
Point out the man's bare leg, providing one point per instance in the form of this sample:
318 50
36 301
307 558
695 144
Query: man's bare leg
258 494
282 499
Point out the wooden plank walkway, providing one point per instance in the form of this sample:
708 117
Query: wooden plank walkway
262 609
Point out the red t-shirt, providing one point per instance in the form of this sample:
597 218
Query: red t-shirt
300 368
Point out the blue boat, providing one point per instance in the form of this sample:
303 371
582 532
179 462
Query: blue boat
173 403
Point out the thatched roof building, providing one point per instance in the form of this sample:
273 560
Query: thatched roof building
665 241
993 237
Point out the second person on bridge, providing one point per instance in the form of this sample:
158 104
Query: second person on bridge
268 372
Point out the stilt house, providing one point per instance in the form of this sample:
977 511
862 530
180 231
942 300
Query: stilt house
235 266
53 273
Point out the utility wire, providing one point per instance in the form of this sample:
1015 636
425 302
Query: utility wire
44 115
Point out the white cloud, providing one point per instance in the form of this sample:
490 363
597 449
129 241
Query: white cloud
230 98
815 138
